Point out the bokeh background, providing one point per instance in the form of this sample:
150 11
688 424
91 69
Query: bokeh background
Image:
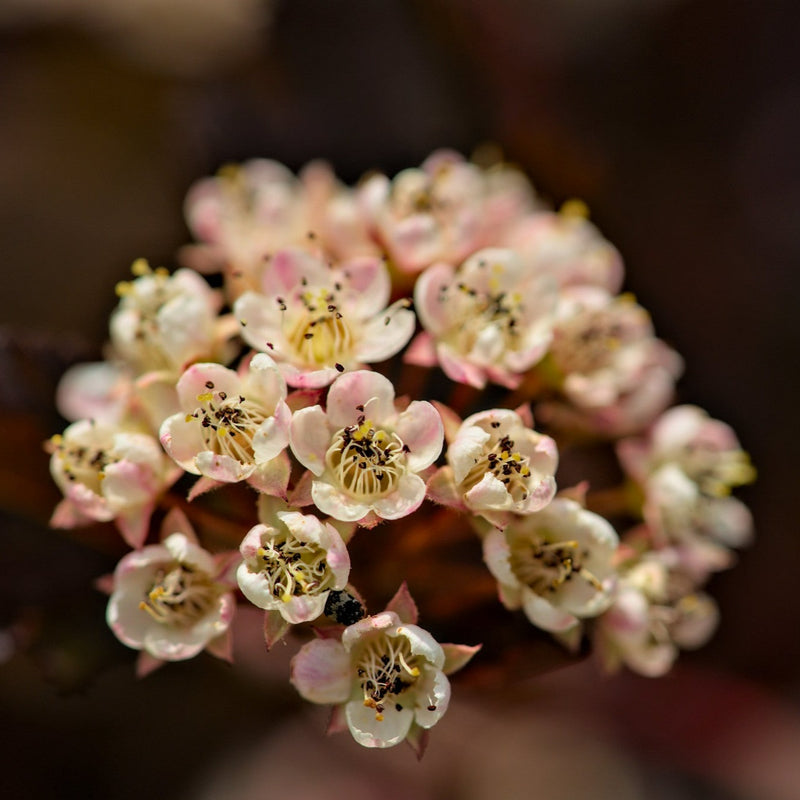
677 121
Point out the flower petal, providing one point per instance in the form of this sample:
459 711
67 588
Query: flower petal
435 697
272 435
422 351
310 437
360 388
489 493
183 441
194 382
335 503
420 427
407 497
372 730
321 671
222 467
385 334
428 298
544 614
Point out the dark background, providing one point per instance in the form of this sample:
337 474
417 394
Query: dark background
677 121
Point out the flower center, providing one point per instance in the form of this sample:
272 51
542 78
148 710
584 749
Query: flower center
716 471
590 341
293 567
386 668
228 424
367 462
83 463
506 464
319 334
479 310
180 596
545 566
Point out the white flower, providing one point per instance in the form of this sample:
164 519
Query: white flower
556 564
169 599
614 373
249 211
567 247
107 473
166 322
654 612
706 450
497 465
489 319
317 321
363 453
428 214
701 528
231 427
291 566
388 674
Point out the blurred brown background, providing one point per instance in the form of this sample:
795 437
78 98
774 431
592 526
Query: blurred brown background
678 121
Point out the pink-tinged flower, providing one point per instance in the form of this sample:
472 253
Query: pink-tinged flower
108 392
165 322
100 390
567 247
705 449
243 213
652 615
555 564
443 211
171 600
701 528
498 464
232 426
336 224
318 320
363 453
291 566
489 319
387 676
247 212
108 474
616 376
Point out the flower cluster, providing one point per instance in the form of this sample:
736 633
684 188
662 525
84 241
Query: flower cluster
341 374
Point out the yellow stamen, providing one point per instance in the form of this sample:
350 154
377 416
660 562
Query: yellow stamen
140 267
574 208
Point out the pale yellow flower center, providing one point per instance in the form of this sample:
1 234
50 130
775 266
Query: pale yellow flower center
480 309
367 461
386 668
82 463
293 567
180 596
715 472
504 462
320 335
228 424
545 565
